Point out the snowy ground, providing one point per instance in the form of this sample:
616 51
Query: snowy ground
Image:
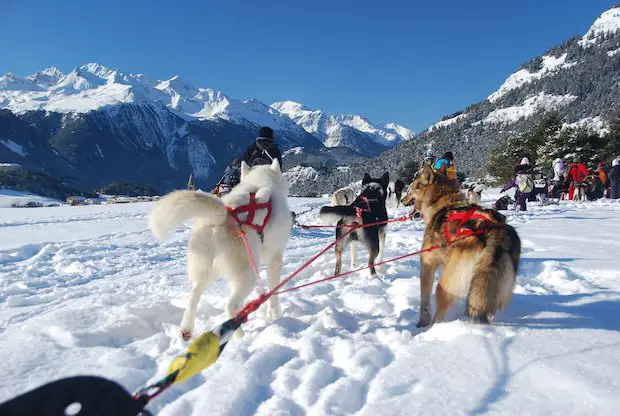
88 290
9 197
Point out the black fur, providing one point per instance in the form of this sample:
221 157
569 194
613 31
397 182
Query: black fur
399 186
372 203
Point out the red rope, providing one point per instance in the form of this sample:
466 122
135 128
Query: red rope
252 306
356 225
255 304
404 256
241 233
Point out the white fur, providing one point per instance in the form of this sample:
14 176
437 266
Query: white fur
579 194
474 194
331 218
343 196
473 197
215 248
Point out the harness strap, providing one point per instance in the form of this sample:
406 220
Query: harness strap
251 209
359 210
463 217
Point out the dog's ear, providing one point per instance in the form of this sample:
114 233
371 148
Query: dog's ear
427 176
385 179
275 165
366 179
245 169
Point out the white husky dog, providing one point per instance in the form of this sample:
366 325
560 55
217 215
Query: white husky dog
474 193
343 196
216 248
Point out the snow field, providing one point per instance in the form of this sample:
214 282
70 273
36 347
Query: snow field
88 290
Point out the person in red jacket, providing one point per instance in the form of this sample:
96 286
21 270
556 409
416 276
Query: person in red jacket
576 174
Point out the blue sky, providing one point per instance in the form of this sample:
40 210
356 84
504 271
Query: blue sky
406 61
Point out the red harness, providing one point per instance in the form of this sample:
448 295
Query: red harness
463 217
359 211
251 209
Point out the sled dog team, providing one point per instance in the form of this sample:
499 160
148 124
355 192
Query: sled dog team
481 268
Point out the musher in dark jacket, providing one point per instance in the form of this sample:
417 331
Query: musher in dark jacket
264 150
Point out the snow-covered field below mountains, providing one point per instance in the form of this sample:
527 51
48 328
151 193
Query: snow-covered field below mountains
88 290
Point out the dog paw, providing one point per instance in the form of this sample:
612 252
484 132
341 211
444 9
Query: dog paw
484 318
425 318
186 334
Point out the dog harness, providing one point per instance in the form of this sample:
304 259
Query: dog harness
251 209
463 217
359 210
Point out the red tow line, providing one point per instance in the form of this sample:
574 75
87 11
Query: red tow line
461 234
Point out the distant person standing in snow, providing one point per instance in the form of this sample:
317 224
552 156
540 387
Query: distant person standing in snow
602 175
445 165
264 150
576 175
614 179
558 178
523 182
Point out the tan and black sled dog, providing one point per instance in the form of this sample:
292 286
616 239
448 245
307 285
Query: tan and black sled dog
482 267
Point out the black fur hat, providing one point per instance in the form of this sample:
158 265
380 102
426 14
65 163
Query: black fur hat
266 132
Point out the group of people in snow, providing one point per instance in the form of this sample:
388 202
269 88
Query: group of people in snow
576 182
573 182
261 152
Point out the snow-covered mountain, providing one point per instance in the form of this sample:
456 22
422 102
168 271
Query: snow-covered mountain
352 131
579 81
96 124
93 87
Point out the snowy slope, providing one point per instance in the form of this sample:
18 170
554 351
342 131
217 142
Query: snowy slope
332 129
529 107
550 65
89 290
608 22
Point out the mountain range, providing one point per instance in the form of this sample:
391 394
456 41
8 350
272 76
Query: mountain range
578 81
95 125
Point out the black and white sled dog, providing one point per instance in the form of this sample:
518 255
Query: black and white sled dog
367 208
474 193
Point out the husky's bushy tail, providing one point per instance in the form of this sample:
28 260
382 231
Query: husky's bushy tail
331 215
494 275
180 206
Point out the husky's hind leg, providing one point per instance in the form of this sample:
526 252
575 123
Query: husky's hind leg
199 269
381 246
274 272
353 249
339 249
240 287
454 281
494 278
373 253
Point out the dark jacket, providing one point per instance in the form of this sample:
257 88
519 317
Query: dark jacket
524 169
614 174
232 176
262 152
